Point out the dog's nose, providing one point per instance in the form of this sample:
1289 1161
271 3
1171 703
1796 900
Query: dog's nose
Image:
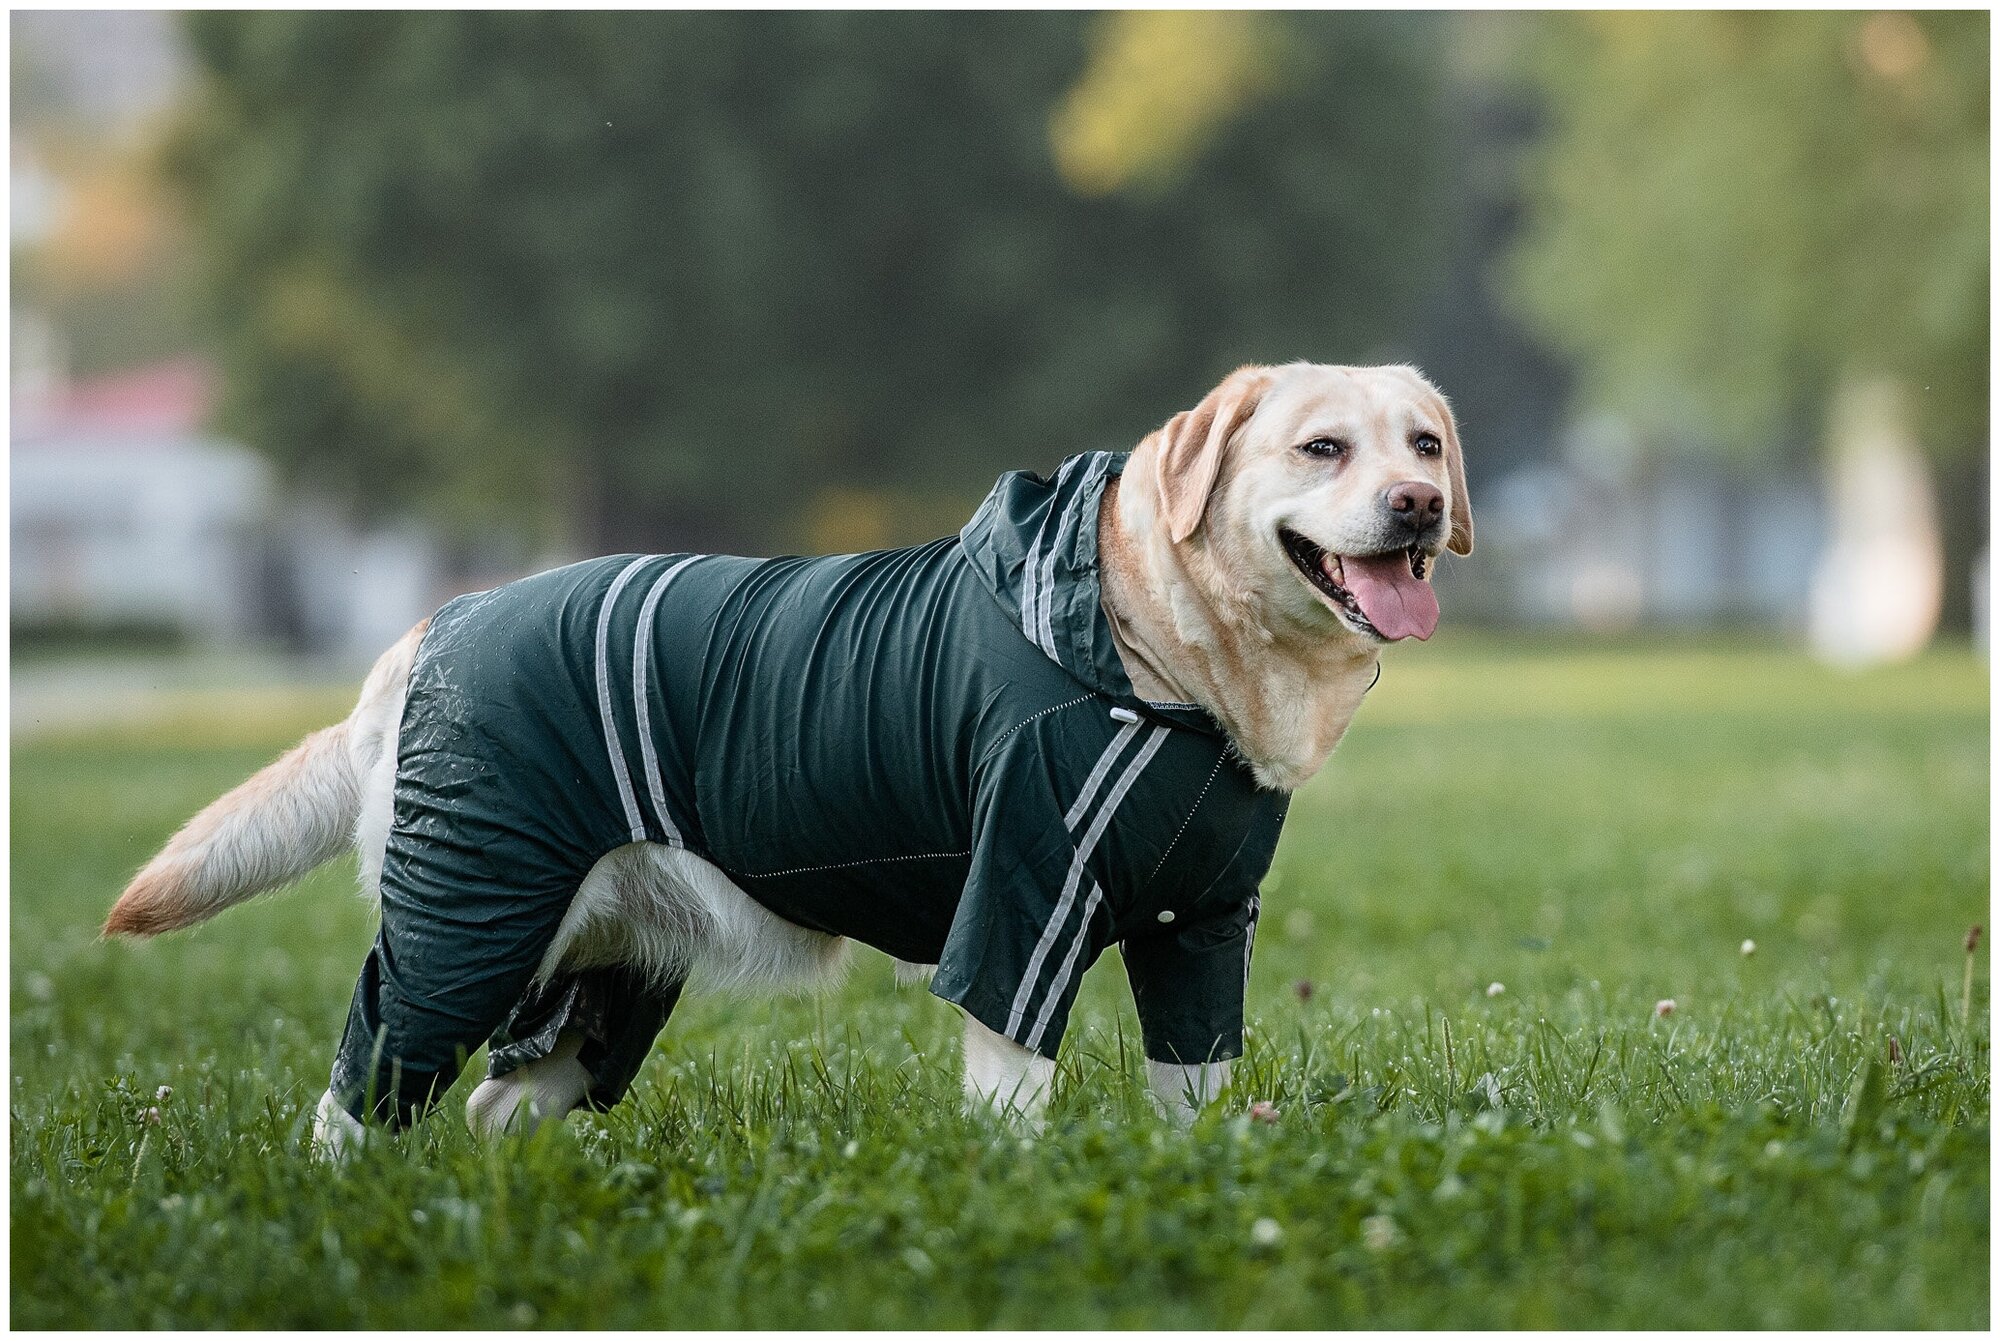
1415 503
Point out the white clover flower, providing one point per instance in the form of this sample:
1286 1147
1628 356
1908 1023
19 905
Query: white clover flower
1379 1233
1266 1232
1495 989
1662 1009
1749 948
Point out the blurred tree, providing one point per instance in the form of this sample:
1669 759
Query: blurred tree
1735 215
656 279
1159 85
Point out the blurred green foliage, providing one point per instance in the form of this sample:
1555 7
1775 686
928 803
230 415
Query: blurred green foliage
1732 212
654 278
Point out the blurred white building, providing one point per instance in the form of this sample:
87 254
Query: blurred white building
1607 540
124 513
127 514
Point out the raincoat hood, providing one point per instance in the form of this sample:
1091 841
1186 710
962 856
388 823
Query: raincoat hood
1033 544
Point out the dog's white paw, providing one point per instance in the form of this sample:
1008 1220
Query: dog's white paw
1181 1092
336 1133
1026 1122
523 1099
1003 1077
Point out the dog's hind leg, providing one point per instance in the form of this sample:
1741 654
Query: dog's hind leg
458 946
646 920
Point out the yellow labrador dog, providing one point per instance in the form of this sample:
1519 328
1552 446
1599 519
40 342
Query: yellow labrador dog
1245 565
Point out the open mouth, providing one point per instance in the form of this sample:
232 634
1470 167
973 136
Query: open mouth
1381 595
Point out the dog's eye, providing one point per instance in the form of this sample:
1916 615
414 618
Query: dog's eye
1324 447
1427 444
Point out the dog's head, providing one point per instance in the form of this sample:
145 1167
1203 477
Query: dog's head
1323 493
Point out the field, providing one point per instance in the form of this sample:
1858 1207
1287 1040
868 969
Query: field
1802 1141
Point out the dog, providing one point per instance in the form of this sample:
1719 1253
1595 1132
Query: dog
1076 724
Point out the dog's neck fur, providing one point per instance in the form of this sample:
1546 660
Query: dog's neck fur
1186 637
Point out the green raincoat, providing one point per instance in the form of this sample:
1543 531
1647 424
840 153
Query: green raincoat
934 751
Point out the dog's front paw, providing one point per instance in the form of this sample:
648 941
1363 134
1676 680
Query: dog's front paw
1003 1077
1181 1092
1030 1120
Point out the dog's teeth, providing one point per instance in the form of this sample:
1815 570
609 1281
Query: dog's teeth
1330 565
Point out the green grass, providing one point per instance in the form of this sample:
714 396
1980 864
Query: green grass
1597 831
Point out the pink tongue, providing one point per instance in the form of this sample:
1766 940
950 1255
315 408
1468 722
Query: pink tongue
1397 602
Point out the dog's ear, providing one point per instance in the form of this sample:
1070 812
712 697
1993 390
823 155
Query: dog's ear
1188 453
1461 497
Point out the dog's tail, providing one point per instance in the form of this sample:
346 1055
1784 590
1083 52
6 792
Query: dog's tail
291 817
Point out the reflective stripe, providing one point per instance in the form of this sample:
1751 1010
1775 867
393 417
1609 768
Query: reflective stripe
612 746
1097 773
1042 635
1072 522
1030 588
641 646
1025 993
1061 982
1250 937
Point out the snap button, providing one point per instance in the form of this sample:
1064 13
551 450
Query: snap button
1124 715
1166 914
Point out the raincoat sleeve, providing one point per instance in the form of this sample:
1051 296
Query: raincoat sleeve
1034 913
1188 981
